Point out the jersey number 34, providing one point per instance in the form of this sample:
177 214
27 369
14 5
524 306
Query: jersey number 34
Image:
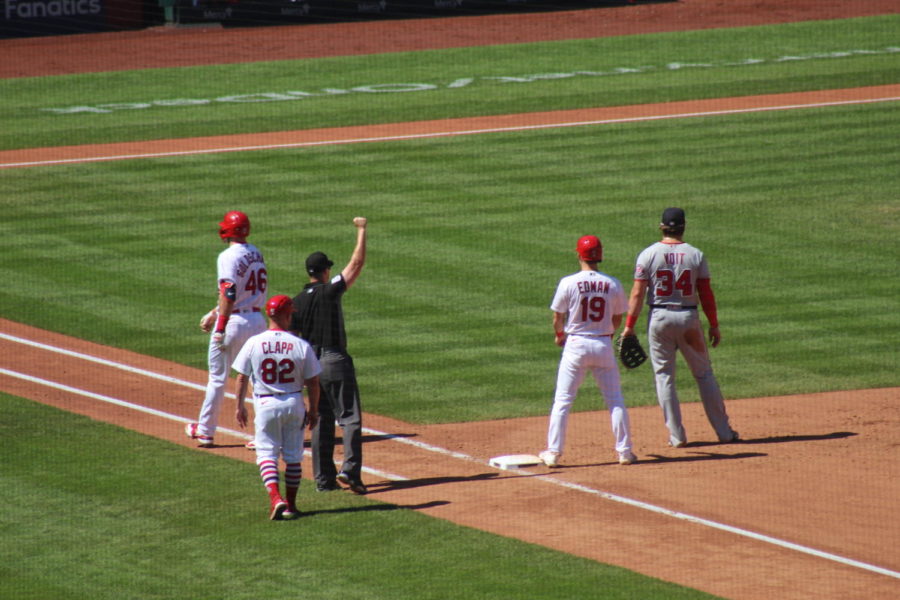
666 283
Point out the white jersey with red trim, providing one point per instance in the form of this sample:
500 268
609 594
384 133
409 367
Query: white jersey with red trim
590 298
672 270
277 362
243 266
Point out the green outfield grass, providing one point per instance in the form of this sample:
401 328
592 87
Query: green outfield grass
448 83
154 520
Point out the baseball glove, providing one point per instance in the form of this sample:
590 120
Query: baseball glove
630 352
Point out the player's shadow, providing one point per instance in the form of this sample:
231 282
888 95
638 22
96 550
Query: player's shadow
780 439
369 438
366 438
649 459
373 508
426 481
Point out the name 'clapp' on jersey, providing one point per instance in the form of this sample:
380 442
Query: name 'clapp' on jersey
277 347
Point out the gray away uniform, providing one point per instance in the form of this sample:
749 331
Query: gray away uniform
672 271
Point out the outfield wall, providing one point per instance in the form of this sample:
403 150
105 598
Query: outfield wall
26 18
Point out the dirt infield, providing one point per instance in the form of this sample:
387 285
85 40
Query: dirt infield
805 507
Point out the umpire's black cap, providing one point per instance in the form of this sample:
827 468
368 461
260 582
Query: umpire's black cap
317 262
673 217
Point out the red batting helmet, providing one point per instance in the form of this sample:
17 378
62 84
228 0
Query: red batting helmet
279 304
235 224
590 249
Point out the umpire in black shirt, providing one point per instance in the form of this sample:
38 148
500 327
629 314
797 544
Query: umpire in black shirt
319 319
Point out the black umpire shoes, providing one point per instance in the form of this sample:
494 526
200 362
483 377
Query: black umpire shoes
356 486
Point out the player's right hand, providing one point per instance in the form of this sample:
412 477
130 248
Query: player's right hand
207 321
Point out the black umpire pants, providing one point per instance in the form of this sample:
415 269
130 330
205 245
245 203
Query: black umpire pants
339 401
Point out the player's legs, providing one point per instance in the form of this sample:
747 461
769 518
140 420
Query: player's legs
568 380
268 416
292 429
268 446
344 391
606 374
219 360
696 355
292 450
662 335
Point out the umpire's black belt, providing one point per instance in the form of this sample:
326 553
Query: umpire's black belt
673 307
320 349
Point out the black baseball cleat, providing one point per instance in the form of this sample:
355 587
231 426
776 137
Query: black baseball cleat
327 487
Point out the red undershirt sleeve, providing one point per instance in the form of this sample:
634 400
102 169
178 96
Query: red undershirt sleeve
708 301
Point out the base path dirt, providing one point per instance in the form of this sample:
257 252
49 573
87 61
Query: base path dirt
804 507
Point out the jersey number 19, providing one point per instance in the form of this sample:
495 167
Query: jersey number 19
593 308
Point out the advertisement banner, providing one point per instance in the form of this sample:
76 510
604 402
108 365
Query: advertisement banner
24 18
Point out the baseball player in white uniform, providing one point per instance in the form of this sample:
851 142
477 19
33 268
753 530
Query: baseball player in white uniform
242 282
280 365
674 276
587 309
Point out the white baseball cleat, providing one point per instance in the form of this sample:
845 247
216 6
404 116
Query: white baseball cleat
550 458
627 458
204 441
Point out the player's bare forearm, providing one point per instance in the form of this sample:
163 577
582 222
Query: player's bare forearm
635 305
225 306
240 391
559 328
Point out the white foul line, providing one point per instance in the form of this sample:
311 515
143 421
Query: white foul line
394 138
437 449
151 411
